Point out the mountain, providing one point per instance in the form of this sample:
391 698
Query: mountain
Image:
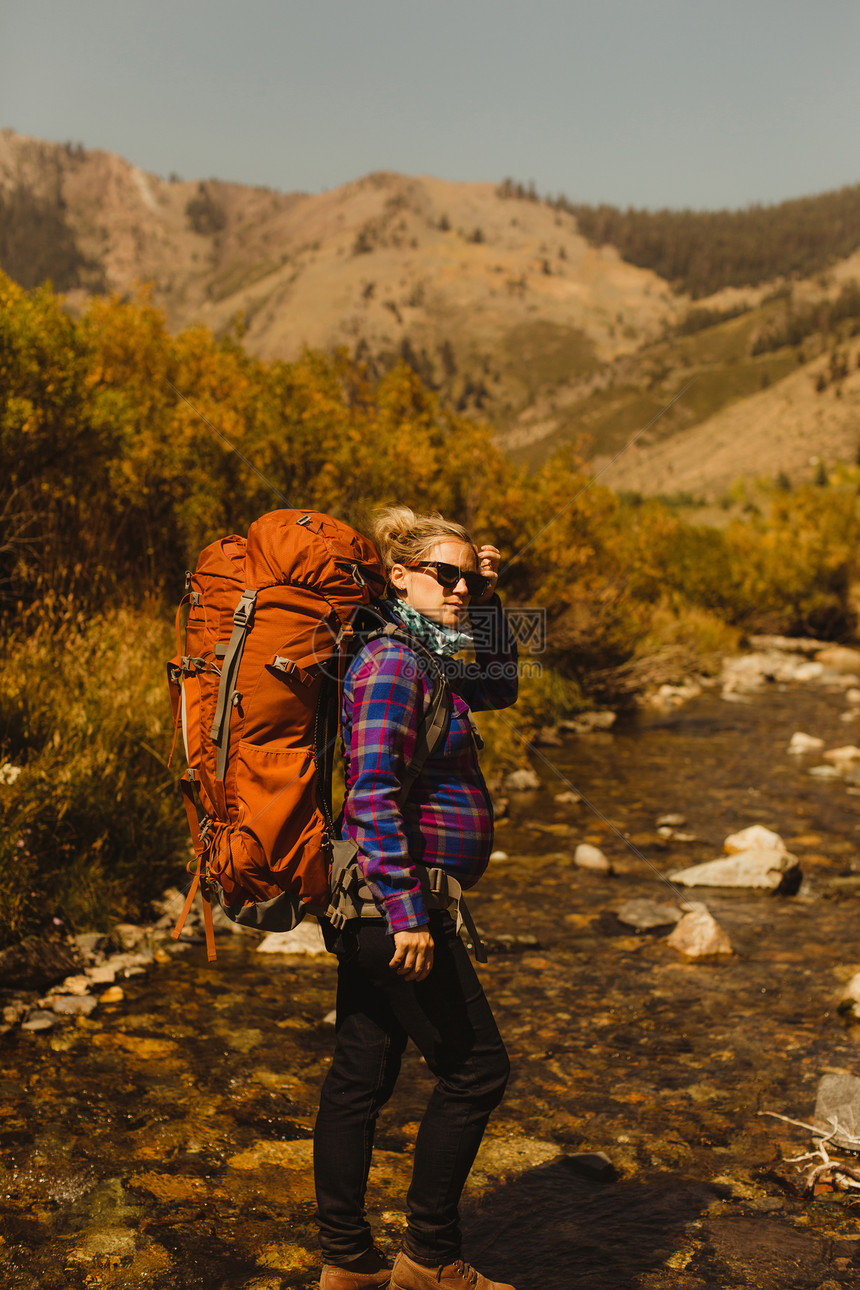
495 298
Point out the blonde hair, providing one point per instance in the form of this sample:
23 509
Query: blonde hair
403 537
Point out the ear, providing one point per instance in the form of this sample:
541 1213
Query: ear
397 575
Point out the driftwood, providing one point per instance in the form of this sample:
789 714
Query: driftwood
838 1174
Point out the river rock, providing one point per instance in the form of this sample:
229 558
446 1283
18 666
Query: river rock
788 644
852 695
39 1020
521 781
74 1005
757 837
586 723
568 798
842 758
671 821
588 857
803 743
839 658
838 1103
548 737
644 914
825 772
698 934
758 867
307 938
851 993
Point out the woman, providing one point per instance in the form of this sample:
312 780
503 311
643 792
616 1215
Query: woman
407 974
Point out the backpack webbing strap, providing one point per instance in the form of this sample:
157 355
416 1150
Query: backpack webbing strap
220 732
199 871
440 890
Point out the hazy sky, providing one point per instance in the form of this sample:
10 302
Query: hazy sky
655 102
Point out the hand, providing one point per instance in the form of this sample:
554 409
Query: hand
413 954
489 559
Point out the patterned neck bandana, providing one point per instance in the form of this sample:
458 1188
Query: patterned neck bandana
438 638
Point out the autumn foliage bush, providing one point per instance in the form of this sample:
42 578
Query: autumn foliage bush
118 462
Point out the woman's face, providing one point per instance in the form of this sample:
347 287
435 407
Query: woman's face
422 589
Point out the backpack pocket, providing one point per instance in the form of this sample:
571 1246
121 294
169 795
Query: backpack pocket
278 840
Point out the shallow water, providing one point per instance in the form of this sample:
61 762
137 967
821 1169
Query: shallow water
164 1141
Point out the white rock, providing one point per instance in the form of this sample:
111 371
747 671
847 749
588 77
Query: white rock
671 821
499 855
74 1005
521 781
852 989
852 695
762 867
698 934
824 772
807 672
802 743
840 658
589 857
849 716
568 798
39 1020
842 758
74 985
756 836
307 938
330 1017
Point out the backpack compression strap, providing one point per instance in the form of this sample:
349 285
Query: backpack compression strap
220 732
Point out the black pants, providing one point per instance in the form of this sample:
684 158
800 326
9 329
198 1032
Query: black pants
449 1019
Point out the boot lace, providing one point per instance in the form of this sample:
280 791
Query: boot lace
467 1272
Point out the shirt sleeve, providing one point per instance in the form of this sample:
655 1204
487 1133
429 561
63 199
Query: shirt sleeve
490 680
384 697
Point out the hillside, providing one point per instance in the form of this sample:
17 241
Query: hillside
486 297
493 297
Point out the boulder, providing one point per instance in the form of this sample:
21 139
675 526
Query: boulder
757 837
837 1104
307 938
758 867
698 934
588 857
522 781
803 743
839 658
644 914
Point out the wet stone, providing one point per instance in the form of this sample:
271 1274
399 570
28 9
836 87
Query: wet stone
699 935
645 914
522 781
837 1105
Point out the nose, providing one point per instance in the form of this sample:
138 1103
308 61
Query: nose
461 586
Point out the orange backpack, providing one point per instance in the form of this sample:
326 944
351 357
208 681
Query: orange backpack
261 636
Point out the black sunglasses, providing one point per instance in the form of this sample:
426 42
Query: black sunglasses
448 575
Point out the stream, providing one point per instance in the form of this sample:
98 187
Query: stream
164 1140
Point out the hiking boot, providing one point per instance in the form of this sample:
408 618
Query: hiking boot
409 1275
370 1271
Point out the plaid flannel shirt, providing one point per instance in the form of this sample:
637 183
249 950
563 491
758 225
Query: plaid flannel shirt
448 817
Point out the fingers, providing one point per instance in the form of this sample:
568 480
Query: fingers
413 956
